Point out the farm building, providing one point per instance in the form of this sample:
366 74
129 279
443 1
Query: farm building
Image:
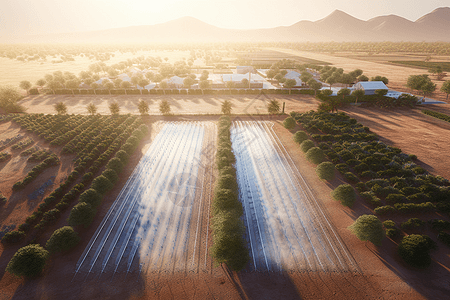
370 87
296 76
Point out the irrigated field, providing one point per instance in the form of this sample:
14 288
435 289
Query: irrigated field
159 220
286 229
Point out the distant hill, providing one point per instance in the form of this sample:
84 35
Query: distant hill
338 26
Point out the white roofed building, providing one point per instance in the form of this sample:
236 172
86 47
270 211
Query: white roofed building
370 87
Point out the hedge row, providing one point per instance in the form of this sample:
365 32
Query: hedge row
50 161
228 229
179 91
436 115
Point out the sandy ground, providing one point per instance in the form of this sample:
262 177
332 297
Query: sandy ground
382 276
179 104
397 75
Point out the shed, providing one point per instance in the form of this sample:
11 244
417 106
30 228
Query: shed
370 87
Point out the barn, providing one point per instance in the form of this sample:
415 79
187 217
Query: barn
370 87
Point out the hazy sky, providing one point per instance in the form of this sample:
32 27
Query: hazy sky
19 17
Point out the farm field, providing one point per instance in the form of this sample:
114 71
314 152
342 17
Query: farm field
397 74
159 220
286 230
376 280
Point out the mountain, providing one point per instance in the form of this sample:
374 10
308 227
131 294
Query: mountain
338 26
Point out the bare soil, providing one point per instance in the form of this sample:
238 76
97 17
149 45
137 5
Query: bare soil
179 104
382 276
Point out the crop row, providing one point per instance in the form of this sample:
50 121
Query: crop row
228 229
381 173
436 115
61 198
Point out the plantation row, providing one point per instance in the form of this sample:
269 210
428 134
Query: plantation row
171 91
119 135
436 115
387 179
228 229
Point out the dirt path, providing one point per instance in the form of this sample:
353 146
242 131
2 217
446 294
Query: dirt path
179 104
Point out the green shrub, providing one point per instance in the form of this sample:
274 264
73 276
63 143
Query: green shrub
300 136
413 223
326 171
384 210
227 181
101 184
343 168
28 261
111 175
62 239
361 187
444 237
289 123
315 155
349 176
123 156
13 237
115 164
306 145
226 200
371 198
91 197
440 225
368 228
415 249
395 198
345 194
81 214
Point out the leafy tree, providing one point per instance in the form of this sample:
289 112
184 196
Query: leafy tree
111 175
62 239
315 85
125 85
115 164
60 108
446 88
356 73
230 84
226 107
53 85
72 85
289 123
91 108
326 170
273 107
109 85
26 85
114 108
415 249
363 78
164 107
368 228
421 83
143 107
41 82
244 82
188 82
380 78
204 84
345 194
437 70
143 83
9 96
315 155
164 85
289 84
306 145
81 214
117 83
381 92
343 93
327 93
300 136
358 94
332 80
28 261
91 196
101 184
